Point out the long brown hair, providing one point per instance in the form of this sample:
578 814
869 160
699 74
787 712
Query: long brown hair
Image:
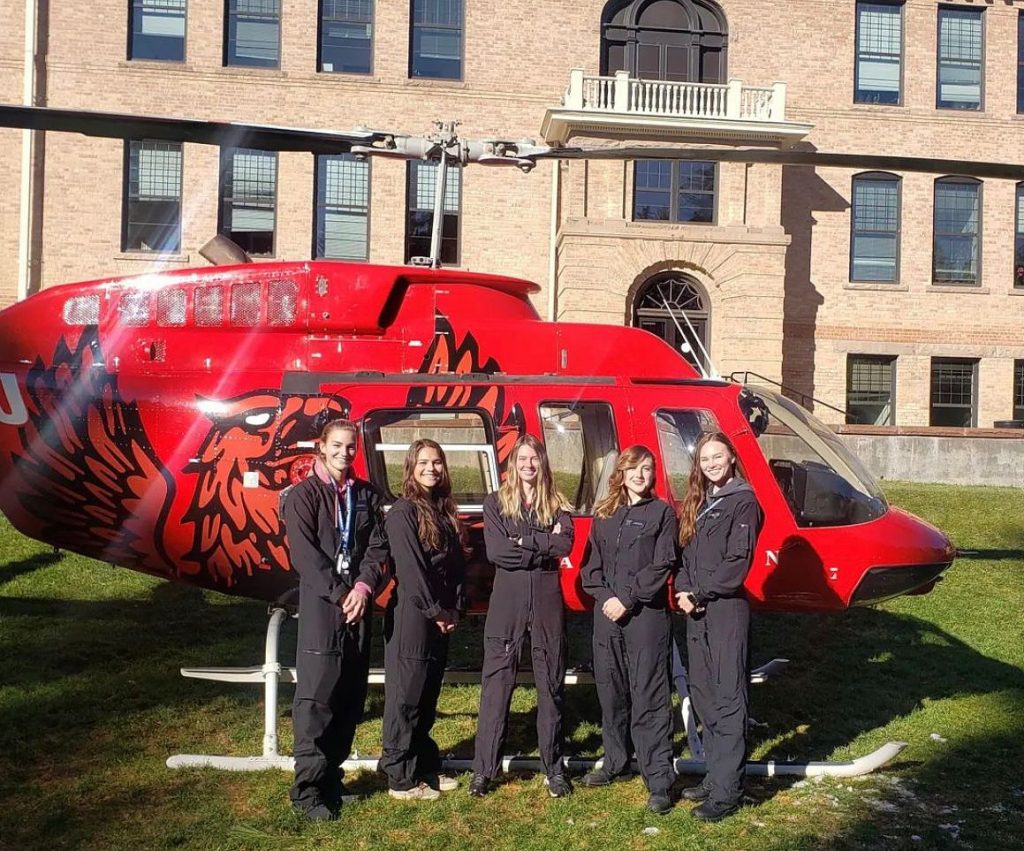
548 500
432 507
697 487
618 496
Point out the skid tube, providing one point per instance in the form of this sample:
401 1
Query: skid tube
271 674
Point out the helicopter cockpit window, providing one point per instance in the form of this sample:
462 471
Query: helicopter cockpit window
467 440
679 432
582 448
133 307
823 482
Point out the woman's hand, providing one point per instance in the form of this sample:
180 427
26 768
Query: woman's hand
354 606
447 621
613 609
685 602
557 530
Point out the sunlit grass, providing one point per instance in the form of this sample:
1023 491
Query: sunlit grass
91 704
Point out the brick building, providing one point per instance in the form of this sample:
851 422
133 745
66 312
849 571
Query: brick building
892 296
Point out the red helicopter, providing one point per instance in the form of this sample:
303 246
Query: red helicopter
153 421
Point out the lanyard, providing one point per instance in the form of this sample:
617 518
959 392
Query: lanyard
706 509
345 522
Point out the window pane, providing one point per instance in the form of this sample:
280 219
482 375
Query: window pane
422 186
248 202
655 182
436 39
1018 240
879 53
1018 389
152 208
583 448
869 390
157 30
956 232
346 36
342 207
679 432
952 399
875 229
253 33
1020 62
960 53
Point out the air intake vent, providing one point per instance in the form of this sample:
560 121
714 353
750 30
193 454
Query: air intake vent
82 310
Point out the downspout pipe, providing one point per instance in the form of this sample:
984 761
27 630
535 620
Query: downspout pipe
556 167
27 143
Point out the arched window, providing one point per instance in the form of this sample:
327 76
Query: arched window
660 307
956 254
683 40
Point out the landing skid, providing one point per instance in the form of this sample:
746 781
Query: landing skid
272 674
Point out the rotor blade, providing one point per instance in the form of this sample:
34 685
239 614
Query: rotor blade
792 156
115 125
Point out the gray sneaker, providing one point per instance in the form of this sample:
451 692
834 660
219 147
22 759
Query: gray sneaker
420 792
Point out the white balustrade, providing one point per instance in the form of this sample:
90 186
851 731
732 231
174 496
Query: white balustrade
624 94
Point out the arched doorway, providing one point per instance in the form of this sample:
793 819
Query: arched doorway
681 40
660 305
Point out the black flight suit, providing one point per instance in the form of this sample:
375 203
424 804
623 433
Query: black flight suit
712 568
333 658
416 651
527 597
631 554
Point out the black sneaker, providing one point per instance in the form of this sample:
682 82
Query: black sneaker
714 810
558 785
697 793
479 786
659 803
314 809
600 777
334 793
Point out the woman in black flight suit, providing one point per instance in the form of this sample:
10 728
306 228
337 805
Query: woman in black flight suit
425 539
632 550
527 530
330 518
718 526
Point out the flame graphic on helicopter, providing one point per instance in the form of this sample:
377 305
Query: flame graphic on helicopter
89 474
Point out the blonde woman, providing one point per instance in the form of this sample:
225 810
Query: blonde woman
632 550
527 530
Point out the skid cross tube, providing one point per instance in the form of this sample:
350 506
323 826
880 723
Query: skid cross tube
272 674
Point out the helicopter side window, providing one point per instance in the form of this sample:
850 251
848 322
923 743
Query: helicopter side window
679 432
822 481
582 447
467 438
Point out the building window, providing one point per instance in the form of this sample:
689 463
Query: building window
960 56
954 393
956 254
436 39
152 197
248 198
421 185
342 207
878 67
1020 62
252 36
156 30
681 40
673 306
875 228
346 36
1018 240
870 389
1018 389
674 191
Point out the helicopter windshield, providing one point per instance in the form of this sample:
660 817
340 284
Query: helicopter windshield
823 482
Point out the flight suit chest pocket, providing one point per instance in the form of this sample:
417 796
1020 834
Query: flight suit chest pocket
714 523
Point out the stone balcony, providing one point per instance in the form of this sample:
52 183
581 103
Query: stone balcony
624 106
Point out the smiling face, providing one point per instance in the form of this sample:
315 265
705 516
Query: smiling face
527 464
429 468
339 451
716 462
639 479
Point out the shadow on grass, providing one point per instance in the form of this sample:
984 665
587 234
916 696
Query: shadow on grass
992 555
12 571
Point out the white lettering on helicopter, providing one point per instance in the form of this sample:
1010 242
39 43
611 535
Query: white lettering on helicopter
771 557
13 412
565 563
833 573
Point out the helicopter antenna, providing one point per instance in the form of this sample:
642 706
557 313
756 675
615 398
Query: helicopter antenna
706 371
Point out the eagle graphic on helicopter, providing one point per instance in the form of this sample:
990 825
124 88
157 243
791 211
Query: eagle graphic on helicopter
154 421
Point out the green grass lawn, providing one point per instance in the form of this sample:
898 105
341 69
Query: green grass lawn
91 705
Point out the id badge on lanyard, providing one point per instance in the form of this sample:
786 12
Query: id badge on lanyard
345 528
